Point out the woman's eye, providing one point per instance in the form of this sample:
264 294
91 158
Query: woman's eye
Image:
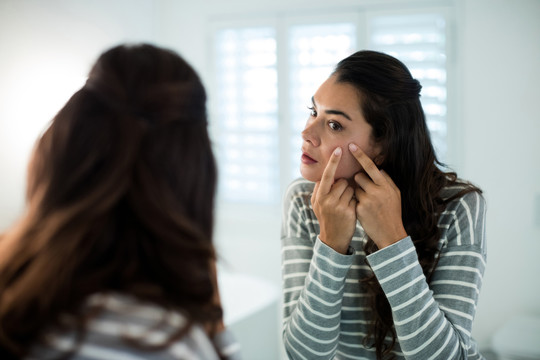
312 111
335 126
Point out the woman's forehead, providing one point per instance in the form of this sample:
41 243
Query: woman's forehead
340 96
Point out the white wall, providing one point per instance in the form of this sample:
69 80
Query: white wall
499 55
498 52
46 50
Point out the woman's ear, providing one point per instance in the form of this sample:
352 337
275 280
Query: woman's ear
378 160
377 153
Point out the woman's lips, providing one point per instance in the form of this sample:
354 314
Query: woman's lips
306 159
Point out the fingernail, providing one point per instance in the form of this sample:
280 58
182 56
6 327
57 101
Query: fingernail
337 152
353 147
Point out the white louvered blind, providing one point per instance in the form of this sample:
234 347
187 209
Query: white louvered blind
314 51
419 41
246 113
247 125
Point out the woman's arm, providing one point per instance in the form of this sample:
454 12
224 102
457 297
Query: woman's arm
313 281
434 321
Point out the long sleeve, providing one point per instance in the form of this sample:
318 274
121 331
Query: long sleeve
326 312
313 293
434 321
313 283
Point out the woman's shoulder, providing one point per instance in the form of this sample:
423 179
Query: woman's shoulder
299 188
461 191
463 220
117 316
463 198
298 194
128 306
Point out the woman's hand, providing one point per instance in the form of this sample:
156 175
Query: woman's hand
378 205
334 206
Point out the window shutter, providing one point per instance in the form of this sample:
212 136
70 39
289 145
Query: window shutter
246 114
419 41
314 51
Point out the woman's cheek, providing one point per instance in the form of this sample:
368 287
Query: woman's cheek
347 167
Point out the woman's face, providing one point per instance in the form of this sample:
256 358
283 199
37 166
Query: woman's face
336 120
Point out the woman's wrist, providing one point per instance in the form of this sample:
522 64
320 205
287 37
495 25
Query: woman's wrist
341 247
391 238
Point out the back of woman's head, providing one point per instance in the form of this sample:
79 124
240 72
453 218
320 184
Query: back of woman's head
139 124
120 197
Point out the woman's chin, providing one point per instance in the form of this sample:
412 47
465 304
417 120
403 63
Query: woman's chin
309 175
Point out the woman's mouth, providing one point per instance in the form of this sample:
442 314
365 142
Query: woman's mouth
308 160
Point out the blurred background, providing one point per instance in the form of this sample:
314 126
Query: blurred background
478 62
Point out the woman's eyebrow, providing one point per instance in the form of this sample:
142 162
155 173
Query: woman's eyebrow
332 112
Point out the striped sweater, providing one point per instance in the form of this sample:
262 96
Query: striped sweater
124 316
325 315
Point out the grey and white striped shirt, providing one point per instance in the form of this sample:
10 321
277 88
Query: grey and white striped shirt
325 312
125 316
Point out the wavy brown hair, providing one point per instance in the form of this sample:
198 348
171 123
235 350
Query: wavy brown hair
120 198
390 102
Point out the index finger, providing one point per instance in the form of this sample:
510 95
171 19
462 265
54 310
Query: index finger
327 179
367 164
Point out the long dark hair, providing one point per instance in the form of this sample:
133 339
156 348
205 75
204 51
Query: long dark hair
120 198
390 102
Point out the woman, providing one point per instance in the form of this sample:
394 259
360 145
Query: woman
383 252
113 257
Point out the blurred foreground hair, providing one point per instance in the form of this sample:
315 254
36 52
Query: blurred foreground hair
120 198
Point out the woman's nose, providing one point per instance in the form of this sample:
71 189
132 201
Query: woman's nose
309 133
